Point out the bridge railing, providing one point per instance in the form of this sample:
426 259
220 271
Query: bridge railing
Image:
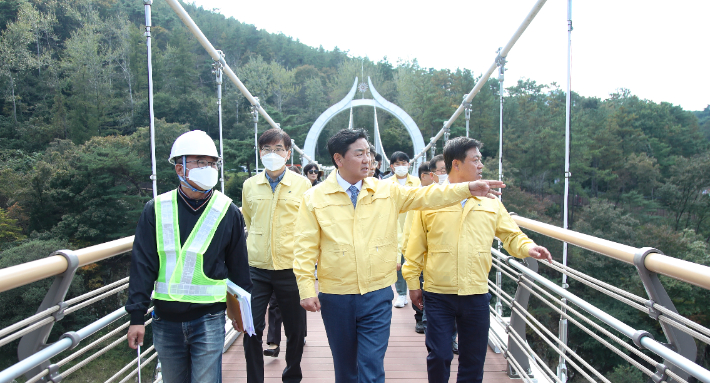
670 360
34 353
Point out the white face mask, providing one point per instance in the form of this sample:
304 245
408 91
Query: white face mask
205 177
401 170
442 178
273 162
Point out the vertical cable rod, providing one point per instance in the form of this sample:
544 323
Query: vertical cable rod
561 367
218 78
154 175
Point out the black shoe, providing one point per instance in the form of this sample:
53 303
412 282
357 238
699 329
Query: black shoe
272 352
455 347
420 327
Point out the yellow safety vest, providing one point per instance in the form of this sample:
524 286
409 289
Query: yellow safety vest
181 276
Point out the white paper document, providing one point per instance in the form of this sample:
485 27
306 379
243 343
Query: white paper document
244 299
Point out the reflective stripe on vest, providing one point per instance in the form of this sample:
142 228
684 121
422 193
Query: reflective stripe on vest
181 276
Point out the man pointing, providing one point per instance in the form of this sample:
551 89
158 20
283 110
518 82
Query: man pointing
348 224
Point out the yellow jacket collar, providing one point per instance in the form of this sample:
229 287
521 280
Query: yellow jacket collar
331 185
261 178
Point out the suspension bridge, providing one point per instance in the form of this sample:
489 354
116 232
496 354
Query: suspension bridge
511 355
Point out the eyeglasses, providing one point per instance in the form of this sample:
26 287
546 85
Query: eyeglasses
204 163
312 171
278 150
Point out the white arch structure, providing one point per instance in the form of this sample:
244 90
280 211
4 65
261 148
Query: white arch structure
349 102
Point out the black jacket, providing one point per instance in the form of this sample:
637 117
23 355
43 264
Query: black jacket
225 257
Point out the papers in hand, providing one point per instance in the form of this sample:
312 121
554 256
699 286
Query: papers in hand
239 307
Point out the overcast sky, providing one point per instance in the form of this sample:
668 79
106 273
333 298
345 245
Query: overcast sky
659 50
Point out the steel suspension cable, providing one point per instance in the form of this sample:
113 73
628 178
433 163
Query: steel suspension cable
129 365
584 328
134 372
96 291
486 75
602 289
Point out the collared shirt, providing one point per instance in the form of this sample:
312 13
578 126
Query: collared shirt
346 185
356 249
274 183
453 246
270 216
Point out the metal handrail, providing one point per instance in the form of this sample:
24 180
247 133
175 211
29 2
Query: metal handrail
640 338
26 273
693 273
56 348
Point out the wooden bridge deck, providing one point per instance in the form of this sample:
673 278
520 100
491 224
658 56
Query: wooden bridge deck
405 360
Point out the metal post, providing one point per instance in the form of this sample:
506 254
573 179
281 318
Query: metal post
218 78
561 365
148 24
678 341
501 75
517 324
467 112
432 143
37 339
255 118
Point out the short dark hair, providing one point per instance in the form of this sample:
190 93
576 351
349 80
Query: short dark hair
274 135
399 156
457 148
341 141
373 152
295 169
435 160
423 168
309 166
378 157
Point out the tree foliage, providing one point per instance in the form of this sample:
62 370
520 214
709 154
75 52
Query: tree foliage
76 158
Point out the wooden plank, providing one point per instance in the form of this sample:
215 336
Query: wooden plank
405 359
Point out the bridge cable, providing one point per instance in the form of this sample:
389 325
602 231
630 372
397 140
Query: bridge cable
485 76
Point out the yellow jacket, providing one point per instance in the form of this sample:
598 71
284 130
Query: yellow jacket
271 217
411 181
356 249
453 246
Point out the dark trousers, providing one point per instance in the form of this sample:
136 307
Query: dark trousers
470 314
283 284
273 335
358 330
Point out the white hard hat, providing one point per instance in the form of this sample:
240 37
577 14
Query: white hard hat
193 143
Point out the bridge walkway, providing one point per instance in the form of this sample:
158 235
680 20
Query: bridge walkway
405 360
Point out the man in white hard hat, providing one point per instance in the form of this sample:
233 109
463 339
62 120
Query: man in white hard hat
188 242
270 202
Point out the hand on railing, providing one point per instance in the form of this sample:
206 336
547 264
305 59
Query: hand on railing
484 188
539 252
135 335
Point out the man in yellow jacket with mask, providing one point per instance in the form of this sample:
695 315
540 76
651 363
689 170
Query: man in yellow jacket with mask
348 224
399 163
453 248
270 202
